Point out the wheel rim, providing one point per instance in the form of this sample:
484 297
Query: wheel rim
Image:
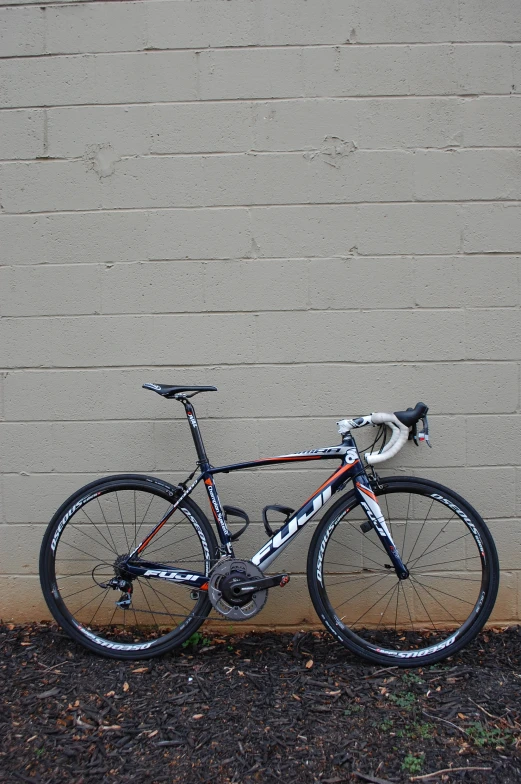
435 606
101 528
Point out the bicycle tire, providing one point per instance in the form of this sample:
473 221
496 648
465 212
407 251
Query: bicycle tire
102 521
434 613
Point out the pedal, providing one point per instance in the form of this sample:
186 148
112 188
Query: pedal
285 510
234 511
261 584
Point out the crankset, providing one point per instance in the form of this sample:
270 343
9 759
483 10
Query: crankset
238 589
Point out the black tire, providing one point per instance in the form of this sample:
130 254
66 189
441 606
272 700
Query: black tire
453 583
104 520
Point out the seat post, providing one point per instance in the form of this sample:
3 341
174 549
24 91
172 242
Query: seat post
196 433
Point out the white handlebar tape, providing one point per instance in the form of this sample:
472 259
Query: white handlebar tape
399 437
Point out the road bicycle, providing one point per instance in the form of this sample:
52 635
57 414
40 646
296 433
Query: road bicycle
401 570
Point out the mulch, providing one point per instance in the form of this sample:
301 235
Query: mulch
256 708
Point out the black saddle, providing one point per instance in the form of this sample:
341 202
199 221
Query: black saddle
168 391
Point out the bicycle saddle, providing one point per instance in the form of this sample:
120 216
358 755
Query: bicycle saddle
168 391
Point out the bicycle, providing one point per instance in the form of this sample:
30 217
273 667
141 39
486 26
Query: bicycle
405 589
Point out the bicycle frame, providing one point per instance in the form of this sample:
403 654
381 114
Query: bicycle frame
351 468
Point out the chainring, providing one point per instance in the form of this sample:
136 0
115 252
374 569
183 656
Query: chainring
250 605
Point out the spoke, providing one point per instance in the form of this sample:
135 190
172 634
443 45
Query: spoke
354 579
168 598
108 529
396 613
451 595
357 552
422 604
440 532
97 608
385 610
172 544
407 605
391 590
443 607
79 528
443 563
350 598
388 519
68 576
94 557
449 577
136 533
156 593
87 603
149 607
421 529
406 526
82 590
441 547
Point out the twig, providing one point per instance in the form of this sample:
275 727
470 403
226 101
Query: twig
444 770
491 715
384 669
445 721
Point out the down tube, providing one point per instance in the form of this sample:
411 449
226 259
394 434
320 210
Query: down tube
273 548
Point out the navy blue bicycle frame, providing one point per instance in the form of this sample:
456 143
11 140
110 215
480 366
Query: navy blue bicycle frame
351 468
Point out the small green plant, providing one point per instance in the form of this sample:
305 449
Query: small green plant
386 725
39 752
481 735
405 700
353 709
410 677
196 639
413 764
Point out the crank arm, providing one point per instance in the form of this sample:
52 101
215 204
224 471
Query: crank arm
259 585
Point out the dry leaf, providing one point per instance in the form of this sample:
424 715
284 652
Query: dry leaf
198 716
462 716
110 694
125 686
296 697
309 664
141 669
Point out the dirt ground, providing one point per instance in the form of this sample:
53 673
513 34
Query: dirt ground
256 708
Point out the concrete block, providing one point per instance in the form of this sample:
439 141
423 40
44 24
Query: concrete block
200 127
89 446
373 336
461 175
492 122
255 284
52 290
139 77
96 27
20 548
414 21
477 281
77 131
501 435
153 287
299 232
432 70
507 534
111 393
313 22
409 228
364 283
481 21
355 71
408 123
22 600
22 31
491 228
493 333
304 124
203 24
199 234
67 238
22 134
474 485
250 73
483 68
506 608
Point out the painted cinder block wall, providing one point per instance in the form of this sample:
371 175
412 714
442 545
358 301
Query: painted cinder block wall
314 205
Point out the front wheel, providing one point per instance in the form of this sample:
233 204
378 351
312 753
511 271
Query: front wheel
91 533
442 605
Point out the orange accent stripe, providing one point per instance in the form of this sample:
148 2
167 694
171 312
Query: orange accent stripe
204 587
366 491
341 470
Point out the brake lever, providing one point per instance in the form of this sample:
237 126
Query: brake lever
424 434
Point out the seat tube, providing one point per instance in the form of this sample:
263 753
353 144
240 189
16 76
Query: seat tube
211 490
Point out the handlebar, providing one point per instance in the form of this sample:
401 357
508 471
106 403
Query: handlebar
399 423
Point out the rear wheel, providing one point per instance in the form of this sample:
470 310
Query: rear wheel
439 608
90 533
